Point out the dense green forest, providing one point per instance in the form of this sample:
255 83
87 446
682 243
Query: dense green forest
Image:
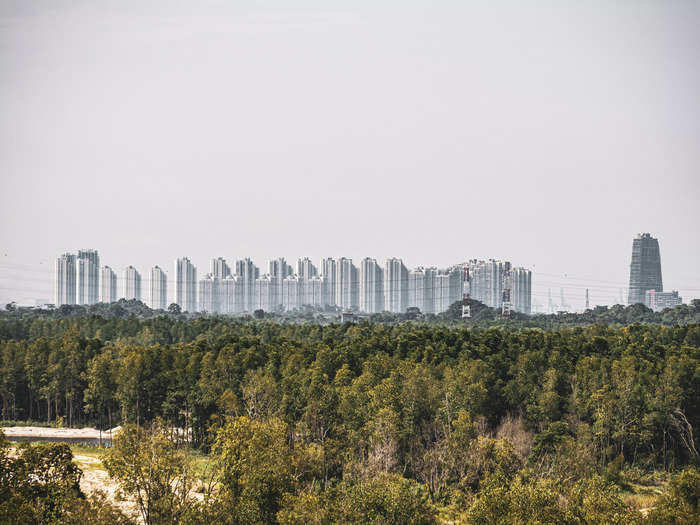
382 422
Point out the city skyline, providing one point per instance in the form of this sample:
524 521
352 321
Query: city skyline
547 135
367 287
574 288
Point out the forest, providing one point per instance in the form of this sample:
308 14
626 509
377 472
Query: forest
370 422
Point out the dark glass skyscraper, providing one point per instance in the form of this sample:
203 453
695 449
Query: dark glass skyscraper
645 269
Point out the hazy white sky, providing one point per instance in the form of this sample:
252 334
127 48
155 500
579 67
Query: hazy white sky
548 133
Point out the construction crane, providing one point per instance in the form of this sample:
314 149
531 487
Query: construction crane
466 289
506 304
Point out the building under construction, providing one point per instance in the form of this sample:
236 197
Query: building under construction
645 268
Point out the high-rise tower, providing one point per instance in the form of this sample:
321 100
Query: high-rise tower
395 285
185 285
645 269
132 284
64 286
371 286
247 273
88 277
108 285
159 289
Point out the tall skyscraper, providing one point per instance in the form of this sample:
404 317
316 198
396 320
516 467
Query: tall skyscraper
441 294
108 285
185 285
209 294
522 290
645 268
132 284
313 290
291 293
65 283
329 272
220 268
395 285
278 270
416 289
231 295
487 282
371 286
430 282
306 269
247 272
347 284
159 289
263 293
87 277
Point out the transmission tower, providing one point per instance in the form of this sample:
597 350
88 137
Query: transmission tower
466 289
507 305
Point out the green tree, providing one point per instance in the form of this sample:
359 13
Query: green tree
256 469
154 471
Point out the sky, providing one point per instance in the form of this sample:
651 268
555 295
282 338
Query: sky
545 133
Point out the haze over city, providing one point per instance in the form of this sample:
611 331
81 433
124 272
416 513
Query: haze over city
547 135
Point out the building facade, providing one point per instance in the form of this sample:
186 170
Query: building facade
645 268
108 285
132 283
159 289
371 286
220 268
247 273
347 295
65 282
209 296
329 272
658 301
522 290
306 269
185 294
87 277
395 286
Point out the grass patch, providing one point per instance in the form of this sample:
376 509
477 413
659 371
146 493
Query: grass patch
16 423
644 488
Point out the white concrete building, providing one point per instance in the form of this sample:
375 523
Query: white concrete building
371 286
306 269
108 285
395 286
87 277
132 283
65 281
185 285
220 268
347 293
291 293
159 289
247 273
209 295
329 271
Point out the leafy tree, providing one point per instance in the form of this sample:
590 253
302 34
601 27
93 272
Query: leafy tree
149 467
387 498
255 469
40 484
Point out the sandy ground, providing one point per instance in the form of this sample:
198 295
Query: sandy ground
95 478
49 433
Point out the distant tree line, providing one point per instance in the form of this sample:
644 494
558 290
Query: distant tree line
482 315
